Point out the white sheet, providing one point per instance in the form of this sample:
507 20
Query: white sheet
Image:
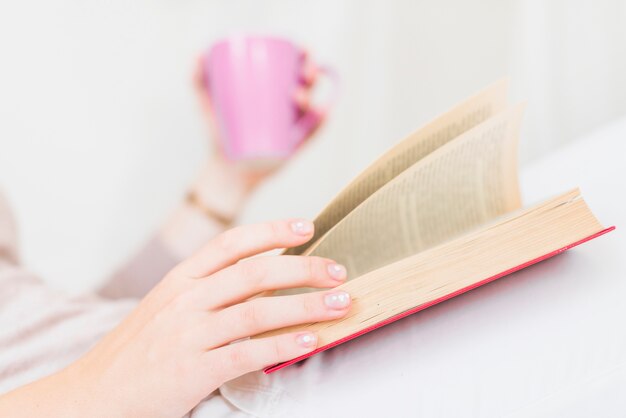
549 341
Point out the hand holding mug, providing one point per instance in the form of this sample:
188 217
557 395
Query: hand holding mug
257 91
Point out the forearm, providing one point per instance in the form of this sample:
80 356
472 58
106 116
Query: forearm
212 204
54 396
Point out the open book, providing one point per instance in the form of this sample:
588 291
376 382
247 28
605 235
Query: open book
438 215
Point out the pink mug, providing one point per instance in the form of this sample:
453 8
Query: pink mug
251 81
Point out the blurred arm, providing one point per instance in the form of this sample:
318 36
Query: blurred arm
214 201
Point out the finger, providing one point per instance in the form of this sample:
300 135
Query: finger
245 241
310 71
319 116
270 313
250 277
200 84
302 98
199 76
234 360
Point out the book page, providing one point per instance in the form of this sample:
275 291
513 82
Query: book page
511 242
410 150
460 186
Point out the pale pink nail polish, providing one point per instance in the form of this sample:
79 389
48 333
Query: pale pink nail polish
337 300
307 340
337 271
302 227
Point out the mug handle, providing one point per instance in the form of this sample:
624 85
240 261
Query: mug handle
313 117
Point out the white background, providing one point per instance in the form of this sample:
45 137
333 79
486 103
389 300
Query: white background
100 132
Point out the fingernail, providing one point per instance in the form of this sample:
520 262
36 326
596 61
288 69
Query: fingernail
337 271
307 339
302 227
337 300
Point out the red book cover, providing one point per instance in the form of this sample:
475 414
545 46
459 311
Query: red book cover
423 306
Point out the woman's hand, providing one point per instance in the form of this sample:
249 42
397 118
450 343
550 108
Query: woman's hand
175 348
251 178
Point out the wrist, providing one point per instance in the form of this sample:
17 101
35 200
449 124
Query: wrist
211 204
222 188
83 393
